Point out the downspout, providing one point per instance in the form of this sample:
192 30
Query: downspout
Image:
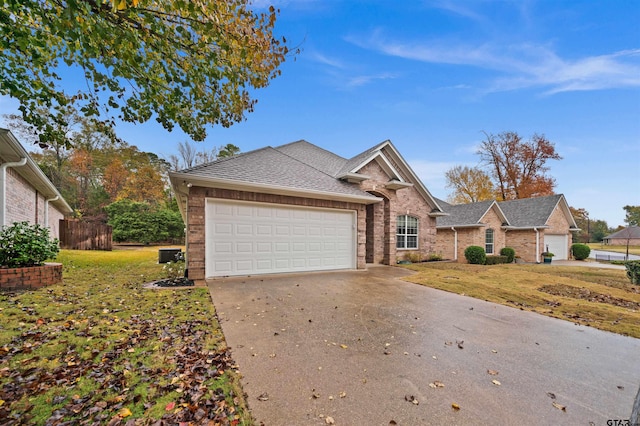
46 209
537 245
455 243
3 188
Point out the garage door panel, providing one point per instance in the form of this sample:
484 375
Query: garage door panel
243 238
558 245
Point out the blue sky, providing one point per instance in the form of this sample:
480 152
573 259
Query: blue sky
432 76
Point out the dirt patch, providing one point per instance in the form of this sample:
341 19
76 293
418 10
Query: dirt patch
586 294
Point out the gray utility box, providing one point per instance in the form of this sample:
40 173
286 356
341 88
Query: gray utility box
166 255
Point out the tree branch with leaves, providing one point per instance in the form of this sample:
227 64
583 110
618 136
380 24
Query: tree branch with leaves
186 63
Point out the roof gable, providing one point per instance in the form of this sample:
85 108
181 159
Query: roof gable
469 215
535 212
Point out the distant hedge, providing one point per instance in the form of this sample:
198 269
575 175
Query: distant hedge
495 260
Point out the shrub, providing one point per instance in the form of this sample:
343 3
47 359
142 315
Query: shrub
475 255
495 260
580 251
23 245
509 253
140 222
434 257
412 257
633 270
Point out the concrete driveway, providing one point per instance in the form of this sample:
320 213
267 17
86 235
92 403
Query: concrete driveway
366 348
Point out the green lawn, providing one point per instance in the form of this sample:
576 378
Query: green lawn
101 348
598 297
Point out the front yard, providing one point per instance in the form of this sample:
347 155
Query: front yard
597 297
101 349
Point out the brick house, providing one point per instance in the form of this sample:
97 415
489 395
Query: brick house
26 194
626 236
298 207
530 226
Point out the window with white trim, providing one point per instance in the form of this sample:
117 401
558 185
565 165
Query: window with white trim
488 241
407 232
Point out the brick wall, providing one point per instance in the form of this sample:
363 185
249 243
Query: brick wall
524 243
399 202
445 238
31 277
25 204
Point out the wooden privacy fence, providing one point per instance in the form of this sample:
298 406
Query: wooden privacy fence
76 235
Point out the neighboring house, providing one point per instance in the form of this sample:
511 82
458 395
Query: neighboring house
26 194
530 226
629 235
298 207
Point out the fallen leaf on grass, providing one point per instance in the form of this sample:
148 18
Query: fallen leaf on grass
559 407
170 406
125 412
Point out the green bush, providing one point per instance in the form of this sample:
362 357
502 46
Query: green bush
633 270
143 223
495 260
509 253
23 245
475 255
580 251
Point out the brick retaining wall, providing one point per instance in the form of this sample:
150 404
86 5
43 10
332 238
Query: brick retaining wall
31 277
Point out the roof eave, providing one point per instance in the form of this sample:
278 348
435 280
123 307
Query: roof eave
34 175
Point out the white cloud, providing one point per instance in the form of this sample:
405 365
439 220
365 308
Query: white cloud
519 66
361 80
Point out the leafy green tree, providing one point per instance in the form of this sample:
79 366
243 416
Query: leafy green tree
187 63
229 150
632 217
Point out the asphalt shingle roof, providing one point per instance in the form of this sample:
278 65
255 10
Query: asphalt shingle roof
463 214
271 166
523 213
628 232
529 212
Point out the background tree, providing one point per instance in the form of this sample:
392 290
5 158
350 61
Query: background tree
632 216
186 63
229 150
519 166
470 185
189 156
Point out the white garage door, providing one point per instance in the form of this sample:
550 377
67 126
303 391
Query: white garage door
558 245
244 238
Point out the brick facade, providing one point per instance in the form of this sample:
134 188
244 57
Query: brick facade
196 220
471 236
31 277
376 223
527 243
25 204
